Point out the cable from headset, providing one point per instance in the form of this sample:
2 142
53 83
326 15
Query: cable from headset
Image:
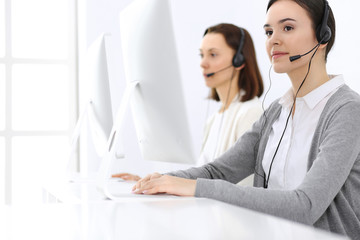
207 109
263 126
266 179
223 113
270 84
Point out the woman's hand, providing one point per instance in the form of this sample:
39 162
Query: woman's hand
157 183
127 176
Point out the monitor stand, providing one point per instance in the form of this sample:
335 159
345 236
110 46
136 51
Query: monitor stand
103 175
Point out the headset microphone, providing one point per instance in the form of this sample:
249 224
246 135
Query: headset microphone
323 32
296 57
213 73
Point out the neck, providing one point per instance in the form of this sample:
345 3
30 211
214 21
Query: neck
316 77
226 96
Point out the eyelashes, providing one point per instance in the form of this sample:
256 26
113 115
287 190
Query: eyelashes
211 54
286 28
268 33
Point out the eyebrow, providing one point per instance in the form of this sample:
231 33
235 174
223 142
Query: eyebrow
280 21
209 50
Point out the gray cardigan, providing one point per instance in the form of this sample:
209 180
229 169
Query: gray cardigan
329 196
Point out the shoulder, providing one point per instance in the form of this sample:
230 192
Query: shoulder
346 94
243 110
345 99
252 104
342 110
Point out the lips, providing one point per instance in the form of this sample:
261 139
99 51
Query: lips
278 54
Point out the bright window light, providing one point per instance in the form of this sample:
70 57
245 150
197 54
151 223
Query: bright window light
2 97
34 158
40 97
2 29
40 29
2 173
40 67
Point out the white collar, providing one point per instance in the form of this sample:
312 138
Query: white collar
316 95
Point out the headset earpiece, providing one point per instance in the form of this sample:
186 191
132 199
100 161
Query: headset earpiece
323 31
239 58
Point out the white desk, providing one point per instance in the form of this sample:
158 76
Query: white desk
85 191
185 218
159 217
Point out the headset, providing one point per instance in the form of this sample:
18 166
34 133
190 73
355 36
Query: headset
323 31
323 35
239 58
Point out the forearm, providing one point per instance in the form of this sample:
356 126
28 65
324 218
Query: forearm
292 205
191 173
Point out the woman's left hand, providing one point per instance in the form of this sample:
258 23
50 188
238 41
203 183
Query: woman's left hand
165 184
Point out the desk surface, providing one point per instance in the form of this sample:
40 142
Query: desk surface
181 218
85 190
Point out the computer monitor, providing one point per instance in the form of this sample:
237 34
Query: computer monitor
97 110
100 111
157 103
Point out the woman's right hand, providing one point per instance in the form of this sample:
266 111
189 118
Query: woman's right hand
156 183
147 178
127 176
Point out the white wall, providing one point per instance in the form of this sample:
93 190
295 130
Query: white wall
190 19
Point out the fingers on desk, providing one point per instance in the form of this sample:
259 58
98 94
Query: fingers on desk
127 176
146 183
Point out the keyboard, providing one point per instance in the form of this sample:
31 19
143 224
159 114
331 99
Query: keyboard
118 190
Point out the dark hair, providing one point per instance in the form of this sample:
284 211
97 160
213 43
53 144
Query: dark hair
250 79
315 10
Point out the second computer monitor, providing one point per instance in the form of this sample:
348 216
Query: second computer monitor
157 103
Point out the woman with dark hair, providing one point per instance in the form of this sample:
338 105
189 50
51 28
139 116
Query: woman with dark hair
230 70
305 148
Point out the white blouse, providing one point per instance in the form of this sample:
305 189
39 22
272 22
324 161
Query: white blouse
236 120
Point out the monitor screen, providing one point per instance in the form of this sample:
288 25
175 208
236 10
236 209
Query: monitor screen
157 103
97 112
100 111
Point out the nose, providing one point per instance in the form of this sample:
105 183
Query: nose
274 39
204 63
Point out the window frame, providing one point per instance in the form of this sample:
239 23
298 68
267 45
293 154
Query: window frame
72 62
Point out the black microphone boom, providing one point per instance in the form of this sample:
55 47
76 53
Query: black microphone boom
213 73
296 57
210 74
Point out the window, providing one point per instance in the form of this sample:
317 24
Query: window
35 158
2 167
48 109
2 28
37 93
2 97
